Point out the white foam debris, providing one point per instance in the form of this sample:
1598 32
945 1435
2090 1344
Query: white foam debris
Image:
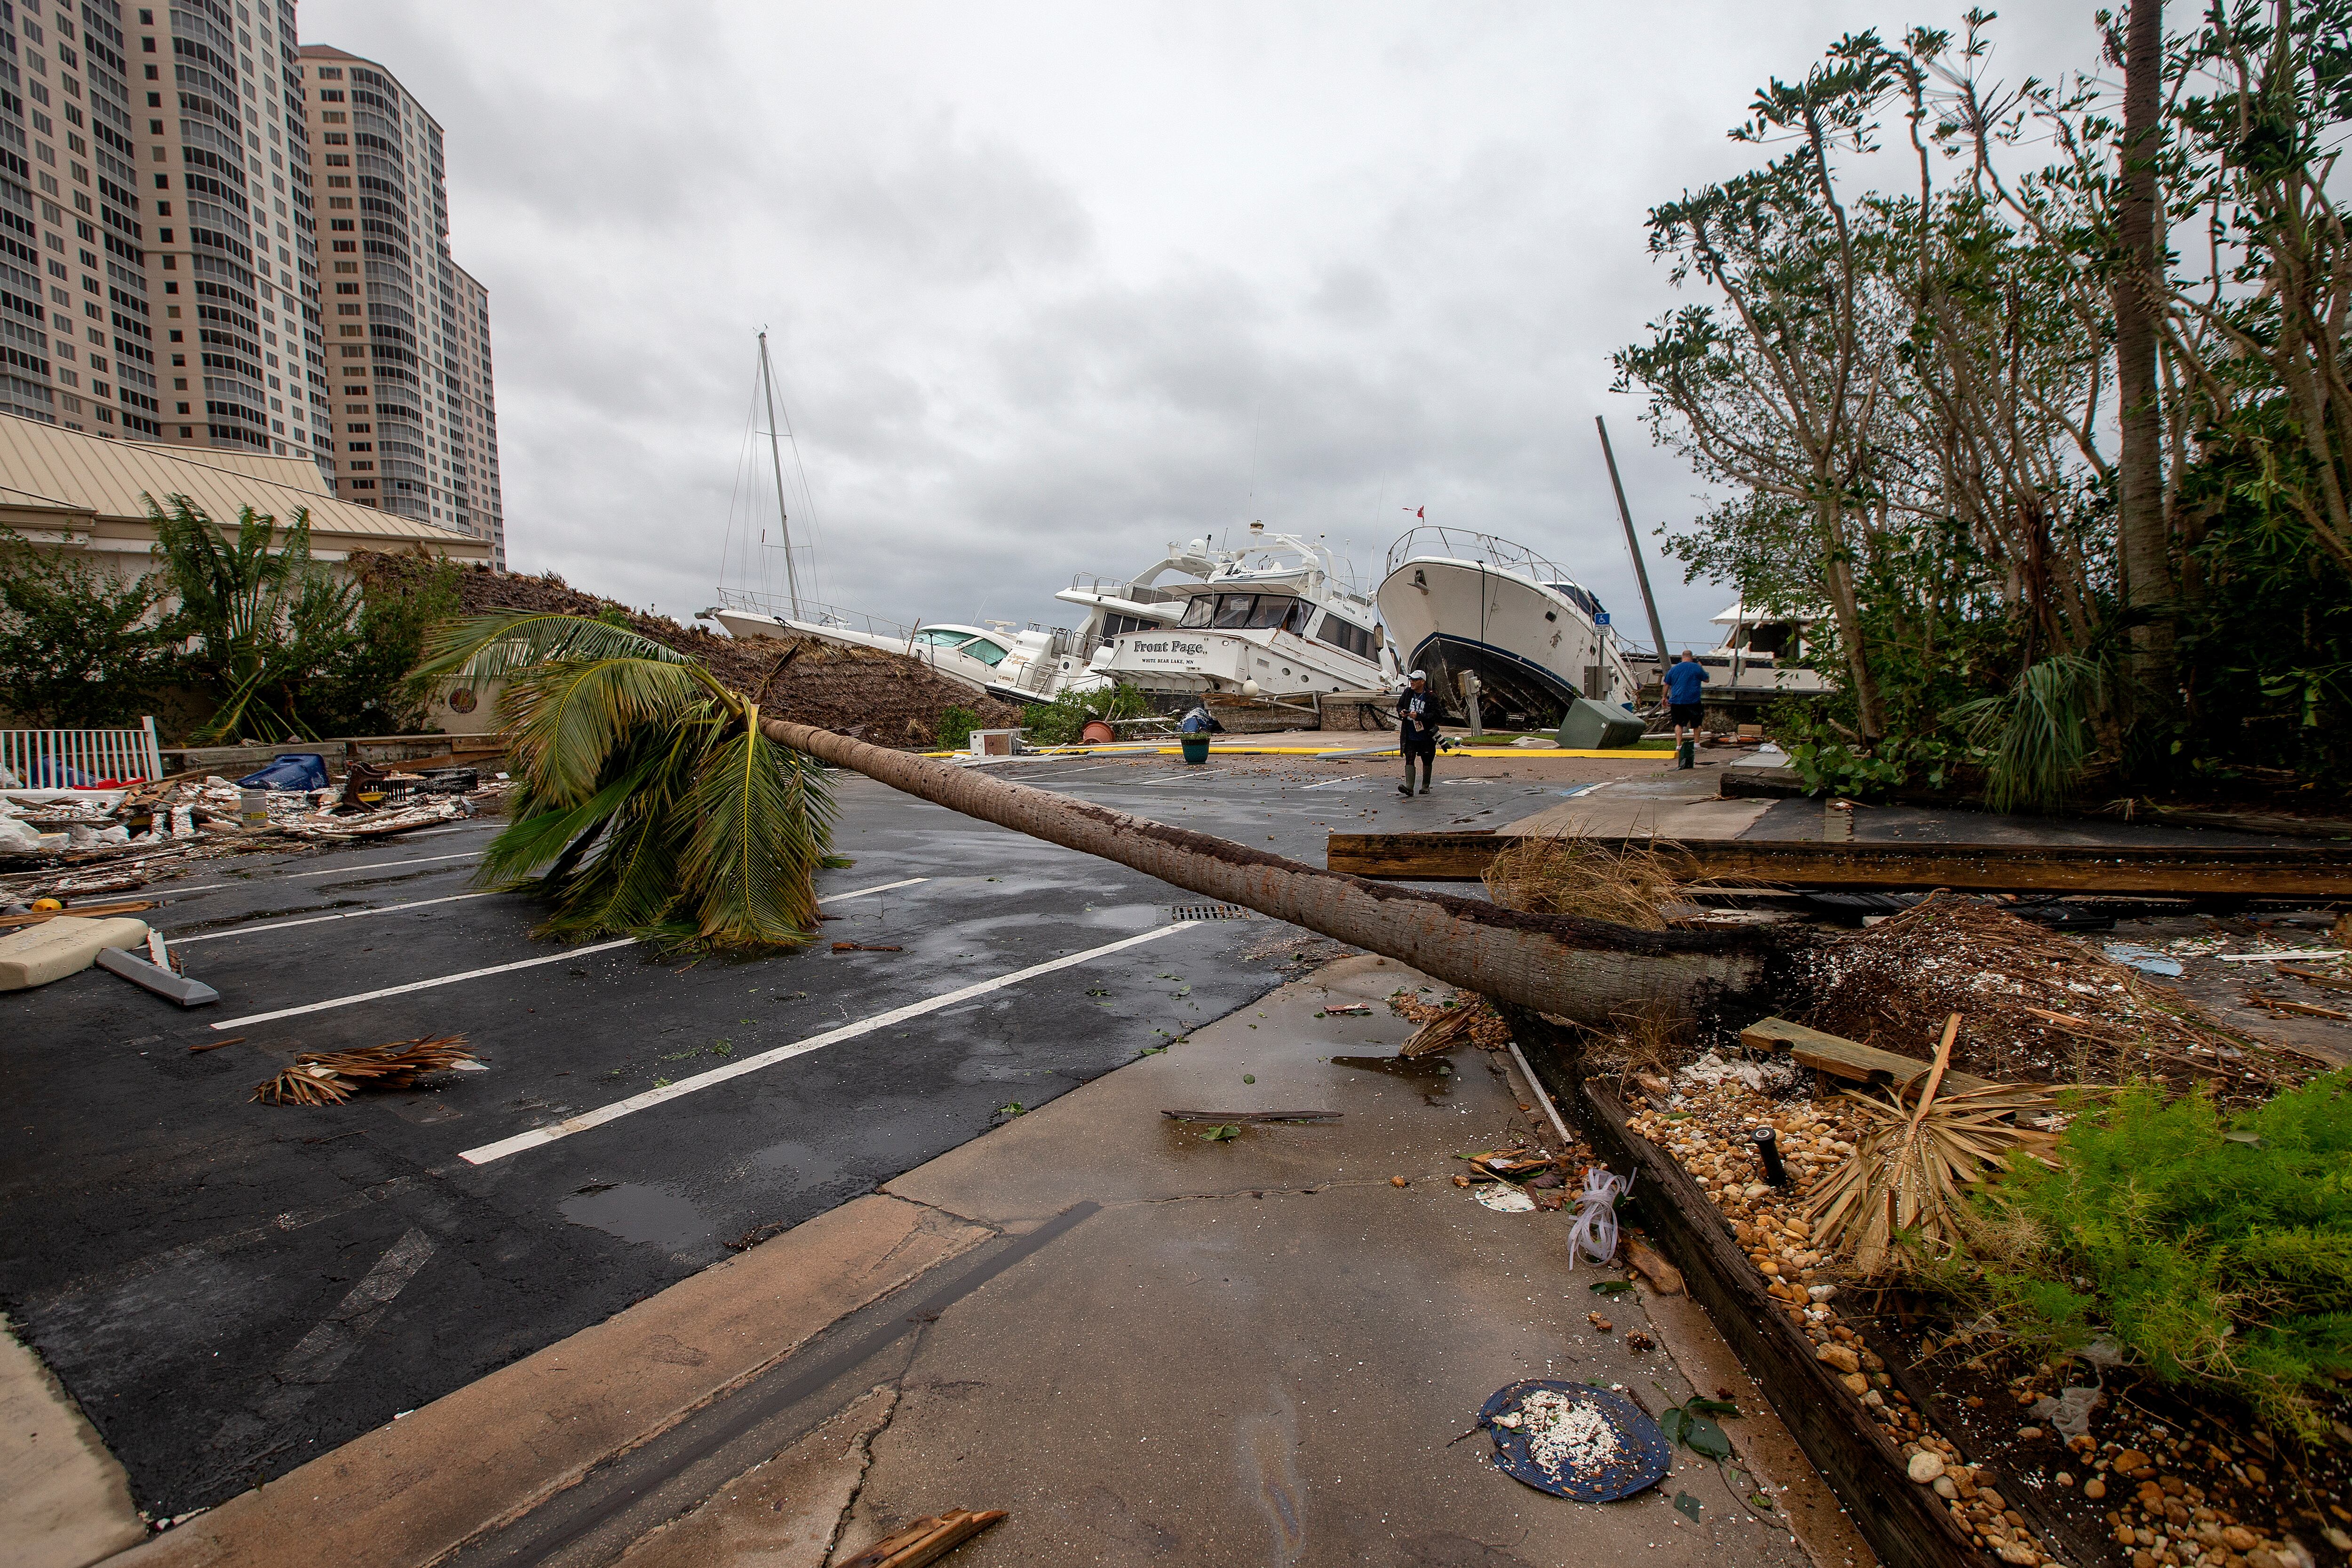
1763 1078
1565 1435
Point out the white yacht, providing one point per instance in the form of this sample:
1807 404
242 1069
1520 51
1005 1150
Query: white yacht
1757 646
1277 616
1460 602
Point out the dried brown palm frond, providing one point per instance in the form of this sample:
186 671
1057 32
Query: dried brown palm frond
1570 874
1906 1175
328 1078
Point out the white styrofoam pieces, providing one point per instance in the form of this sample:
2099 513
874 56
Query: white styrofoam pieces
67 944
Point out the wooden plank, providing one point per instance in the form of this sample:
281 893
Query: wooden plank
2304 870
9 923
1848 1059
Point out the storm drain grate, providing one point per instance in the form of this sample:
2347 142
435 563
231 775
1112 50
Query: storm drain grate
1210 912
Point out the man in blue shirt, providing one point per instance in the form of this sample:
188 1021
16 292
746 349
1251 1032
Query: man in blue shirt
1683 678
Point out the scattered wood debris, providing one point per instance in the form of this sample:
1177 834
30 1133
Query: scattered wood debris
328 1078
1458 1018
1253 1115
926 1539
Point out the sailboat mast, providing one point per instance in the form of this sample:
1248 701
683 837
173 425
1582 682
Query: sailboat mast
776 456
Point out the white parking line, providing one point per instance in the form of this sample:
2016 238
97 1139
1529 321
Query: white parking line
423 985
380 865
1159 780
470 973
637 1102
320 920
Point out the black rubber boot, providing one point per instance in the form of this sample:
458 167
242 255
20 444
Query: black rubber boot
1687 756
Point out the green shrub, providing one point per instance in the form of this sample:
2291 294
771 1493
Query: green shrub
955 727
1064 719
2216 1252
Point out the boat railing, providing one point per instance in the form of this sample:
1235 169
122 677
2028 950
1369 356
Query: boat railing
830 618
1465 545
1119 588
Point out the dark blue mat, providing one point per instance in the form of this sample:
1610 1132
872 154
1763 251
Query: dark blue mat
1642 1458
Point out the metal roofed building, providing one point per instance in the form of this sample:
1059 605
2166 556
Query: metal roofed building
64 489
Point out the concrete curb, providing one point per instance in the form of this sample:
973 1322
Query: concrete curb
415 1489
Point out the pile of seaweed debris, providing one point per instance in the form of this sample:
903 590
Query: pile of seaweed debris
2038 1007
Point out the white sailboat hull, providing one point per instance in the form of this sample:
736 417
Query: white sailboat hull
958 667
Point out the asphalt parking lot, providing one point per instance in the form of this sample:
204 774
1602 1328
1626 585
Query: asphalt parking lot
230 1288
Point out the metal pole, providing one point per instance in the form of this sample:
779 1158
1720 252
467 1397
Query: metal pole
775 456
1632 543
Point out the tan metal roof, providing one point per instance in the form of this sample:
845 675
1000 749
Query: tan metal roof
44 467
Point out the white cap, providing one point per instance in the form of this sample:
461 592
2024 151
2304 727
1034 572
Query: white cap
1418 675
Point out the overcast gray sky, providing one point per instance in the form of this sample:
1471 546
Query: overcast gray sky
1049 286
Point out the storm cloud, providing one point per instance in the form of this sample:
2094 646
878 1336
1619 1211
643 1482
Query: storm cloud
1050 286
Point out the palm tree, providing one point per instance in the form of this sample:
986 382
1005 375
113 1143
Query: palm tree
650 803
261 621
654 800
1586 971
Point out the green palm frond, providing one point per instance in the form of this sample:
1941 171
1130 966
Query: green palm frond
762 823
646 800
482 649
567 718
2038 731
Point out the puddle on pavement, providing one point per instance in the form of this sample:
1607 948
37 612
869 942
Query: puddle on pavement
636 1212
1433 1074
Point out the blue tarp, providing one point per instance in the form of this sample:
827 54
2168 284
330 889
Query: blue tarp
293 770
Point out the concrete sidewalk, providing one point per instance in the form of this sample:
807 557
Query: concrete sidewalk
1145 1344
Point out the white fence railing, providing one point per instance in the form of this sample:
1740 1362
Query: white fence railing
60 759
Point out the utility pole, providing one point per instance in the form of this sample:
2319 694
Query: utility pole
776 456
1634 544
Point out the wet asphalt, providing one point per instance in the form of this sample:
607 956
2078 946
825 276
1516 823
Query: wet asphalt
230 1288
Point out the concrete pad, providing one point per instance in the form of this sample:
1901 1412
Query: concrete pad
1674 803
414 1490
1106 1140
66 1502
1261 1350
782 1514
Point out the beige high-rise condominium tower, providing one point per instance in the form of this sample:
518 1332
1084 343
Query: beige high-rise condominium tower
169 270
407 330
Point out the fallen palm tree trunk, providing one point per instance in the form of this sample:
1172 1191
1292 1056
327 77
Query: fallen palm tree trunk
1572 968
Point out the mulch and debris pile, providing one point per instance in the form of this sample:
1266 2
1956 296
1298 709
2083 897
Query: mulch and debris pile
887 699
2173 1498
2038 1007
1465 1017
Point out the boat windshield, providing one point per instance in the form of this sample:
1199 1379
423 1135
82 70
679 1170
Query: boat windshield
1578 594
982 649
1243 612
937 636
1275 610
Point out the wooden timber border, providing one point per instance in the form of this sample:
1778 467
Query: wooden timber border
2302 870
1904 1522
